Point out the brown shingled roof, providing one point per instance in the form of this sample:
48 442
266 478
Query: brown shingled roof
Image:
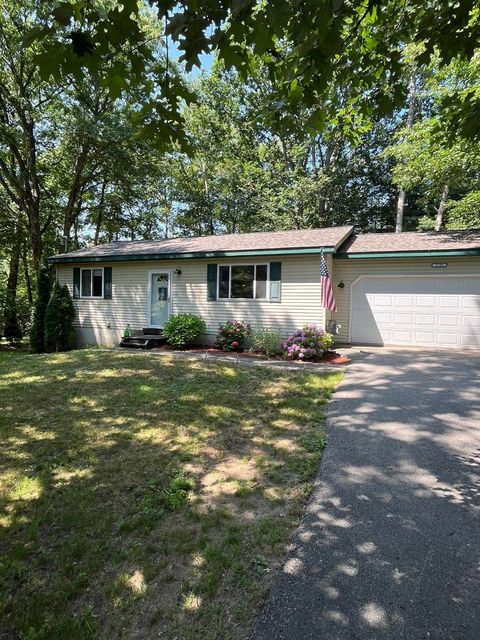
411 241
303 239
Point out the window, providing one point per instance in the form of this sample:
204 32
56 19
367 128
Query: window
224 282
91 283
243 281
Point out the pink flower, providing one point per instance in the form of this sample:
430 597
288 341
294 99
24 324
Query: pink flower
234 343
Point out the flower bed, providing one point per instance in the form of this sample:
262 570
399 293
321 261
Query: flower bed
308 344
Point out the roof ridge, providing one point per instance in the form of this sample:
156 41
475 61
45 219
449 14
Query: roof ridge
223 235
430 232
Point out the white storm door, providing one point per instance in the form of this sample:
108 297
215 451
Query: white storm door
159 298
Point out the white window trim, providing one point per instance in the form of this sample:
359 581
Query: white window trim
246 264
149 293
82 269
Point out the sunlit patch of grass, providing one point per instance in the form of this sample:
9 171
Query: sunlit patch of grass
26 489
191 601
127 587
145 496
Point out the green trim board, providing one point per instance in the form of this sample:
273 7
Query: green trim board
189 256
408 254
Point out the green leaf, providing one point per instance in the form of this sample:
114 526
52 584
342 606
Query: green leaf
64 13
82 43
316 122
50 59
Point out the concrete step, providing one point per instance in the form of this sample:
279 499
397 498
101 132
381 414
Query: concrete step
142 341
128 343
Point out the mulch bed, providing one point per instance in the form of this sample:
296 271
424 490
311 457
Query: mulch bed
329 358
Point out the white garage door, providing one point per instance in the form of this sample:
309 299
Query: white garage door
434 311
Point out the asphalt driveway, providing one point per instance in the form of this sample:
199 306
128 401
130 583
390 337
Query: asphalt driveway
390 544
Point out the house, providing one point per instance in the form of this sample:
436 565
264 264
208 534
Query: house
400 289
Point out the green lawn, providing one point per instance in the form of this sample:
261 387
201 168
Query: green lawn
146 496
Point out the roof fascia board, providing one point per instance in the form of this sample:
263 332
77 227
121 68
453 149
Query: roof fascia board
190 256
344 239
409 254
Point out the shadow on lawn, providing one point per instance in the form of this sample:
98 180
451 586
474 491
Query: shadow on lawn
390 548
89 443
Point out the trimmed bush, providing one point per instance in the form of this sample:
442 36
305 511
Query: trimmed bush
266 341
233 335
37 331
183 329
308 344
59 318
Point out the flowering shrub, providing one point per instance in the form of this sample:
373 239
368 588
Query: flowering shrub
233 335
308 344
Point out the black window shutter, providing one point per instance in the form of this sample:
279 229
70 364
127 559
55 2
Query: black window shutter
275 281
76 282
211 281
107 283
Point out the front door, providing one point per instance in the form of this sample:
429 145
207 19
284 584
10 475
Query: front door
160 297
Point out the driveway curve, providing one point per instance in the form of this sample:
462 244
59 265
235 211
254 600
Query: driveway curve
390 545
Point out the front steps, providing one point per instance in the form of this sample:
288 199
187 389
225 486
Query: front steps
147 339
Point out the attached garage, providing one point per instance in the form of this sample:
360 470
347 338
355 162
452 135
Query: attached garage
425 294
432 311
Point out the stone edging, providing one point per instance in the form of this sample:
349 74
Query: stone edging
236 360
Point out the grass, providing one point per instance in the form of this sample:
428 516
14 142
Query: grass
146 496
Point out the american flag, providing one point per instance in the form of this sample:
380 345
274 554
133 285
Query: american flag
328 299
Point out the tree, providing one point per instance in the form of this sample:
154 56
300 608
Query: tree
59 317
250 171
11 329
37 331
426 159
412 98
286 131
60 138
307 47
465 213
217 184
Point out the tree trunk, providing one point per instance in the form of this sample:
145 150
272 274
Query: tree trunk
37 247
72 208
322 201
206 187
400 210
26 274
441 208
12 281
11 329
99 221
412 99
9 311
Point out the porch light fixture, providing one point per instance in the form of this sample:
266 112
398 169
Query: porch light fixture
178 272
341 284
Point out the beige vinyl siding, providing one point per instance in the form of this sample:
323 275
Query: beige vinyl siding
102 321
348 271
